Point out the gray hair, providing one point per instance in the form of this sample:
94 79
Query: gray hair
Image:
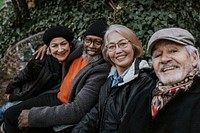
191 49
126 33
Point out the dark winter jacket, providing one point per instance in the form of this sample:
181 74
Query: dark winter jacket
109 112
83 96
34 77
40 76
179 115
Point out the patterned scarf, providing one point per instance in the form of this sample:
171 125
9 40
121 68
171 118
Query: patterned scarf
163 94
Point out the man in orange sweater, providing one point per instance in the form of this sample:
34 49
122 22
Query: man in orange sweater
78 92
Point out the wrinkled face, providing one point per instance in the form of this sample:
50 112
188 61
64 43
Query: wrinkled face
92 45
59 48
120 51
172 62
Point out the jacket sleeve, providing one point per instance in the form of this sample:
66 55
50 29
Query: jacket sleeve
74 111
89 122
23 76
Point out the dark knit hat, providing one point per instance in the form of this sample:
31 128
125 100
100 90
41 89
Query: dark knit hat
58 31
97 28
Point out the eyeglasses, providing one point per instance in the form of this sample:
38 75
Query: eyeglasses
111 47
96 42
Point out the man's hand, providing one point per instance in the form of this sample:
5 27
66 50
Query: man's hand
23 119
40 52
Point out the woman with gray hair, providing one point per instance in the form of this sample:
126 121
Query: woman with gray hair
129 78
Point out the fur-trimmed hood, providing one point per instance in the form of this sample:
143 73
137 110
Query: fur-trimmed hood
133 72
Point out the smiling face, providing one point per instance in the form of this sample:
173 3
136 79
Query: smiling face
92 45
59 48
172 62
122 58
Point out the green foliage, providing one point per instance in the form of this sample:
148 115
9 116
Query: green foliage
146 17
143 16
1 2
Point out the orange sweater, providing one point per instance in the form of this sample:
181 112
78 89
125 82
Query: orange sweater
65 88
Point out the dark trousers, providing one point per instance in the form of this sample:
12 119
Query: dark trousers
11 115
39 130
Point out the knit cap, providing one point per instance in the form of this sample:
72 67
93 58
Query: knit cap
97 28
58 31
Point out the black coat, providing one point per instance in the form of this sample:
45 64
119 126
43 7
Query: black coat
180 115
33 79
41 76
109 112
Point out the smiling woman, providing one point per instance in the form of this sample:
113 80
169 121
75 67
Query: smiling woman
129 79
46 73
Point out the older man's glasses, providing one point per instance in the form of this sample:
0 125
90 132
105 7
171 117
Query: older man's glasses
96 42
111 47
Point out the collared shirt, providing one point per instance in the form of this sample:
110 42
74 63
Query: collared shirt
118 79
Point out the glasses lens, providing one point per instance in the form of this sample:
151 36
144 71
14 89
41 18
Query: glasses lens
87 41
111 47
123 43
96 42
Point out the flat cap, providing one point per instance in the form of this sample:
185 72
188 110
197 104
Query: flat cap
178 35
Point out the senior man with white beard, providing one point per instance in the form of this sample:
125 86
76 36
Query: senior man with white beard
175 102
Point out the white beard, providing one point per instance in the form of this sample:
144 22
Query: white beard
91 58
174 76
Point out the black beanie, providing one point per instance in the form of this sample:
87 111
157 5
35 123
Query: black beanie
58 31
97 28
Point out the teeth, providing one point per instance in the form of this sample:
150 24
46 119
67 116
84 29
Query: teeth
91 51
120 57
62 53
168 68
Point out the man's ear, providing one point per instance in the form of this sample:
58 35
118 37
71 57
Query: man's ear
195 58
